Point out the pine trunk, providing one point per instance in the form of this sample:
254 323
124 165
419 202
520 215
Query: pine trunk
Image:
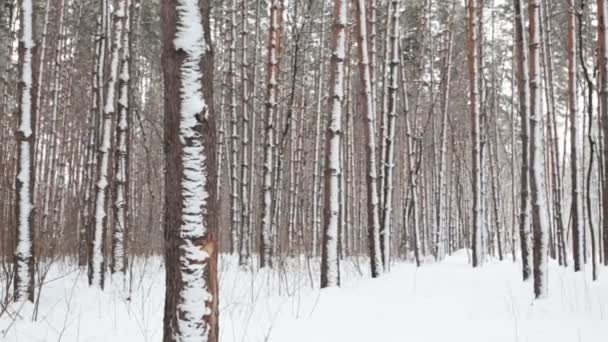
191 208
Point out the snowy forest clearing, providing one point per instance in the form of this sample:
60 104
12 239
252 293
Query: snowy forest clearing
445 300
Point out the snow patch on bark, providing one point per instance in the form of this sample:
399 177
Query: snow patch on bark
194 295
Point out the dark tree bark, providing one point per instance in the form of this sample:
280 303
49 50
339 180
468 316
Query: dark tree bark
524 108
191 211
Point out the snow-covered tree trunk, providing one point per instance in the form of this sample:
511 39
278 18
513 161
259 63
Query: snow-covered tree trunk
97 263
589 107
525 237
556 173
576 206
317 151
234 132
297 178
540 223
26 141
221 132
602 7
121 160
493 148
51 161
191 209
373 210
253 143
372 35
95 116
41 68
246 125
411 199
330 262
441 168
268 202
472 42
391 116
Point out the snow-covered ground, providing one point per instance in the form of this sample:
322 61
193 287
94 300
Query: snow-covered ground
448 301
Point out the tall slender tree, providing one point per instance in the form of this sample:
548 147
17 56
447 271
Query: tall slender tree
576 206
190 217
330 262
121 160
472 42
602 55
391 116
373 210
97 262
540 224
268 202
525 237
26 141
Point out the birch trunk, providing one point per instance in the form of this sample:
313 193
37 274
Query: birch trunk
445 97
26 140
391 115
234 135
330 262
540 224
556 174
472 42
121 160
97 263
576 209
318 121
268 202
246 125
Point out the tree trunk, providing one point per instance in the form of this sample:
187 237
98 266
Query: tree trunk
268 202
525 238
540 224
576 210
191 210
602 7
121 166
330 263
391 115
245 103
373 212
472 43
97 263
26 140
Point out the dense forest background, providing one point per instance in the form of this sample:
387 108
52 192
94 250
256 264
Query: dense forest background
427 198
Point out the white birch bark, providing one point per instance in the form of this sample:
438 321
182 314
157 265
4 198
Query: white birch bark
391 116
97 259
575 183
274 40
445 101
121 181
234 133
475 133
26 140
330 262
524 109
540 222
245 103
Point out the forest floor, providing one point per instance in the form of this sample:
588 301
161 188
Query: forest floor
446 301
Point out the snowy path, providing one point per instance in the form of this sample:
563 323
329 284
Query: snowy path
448 301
